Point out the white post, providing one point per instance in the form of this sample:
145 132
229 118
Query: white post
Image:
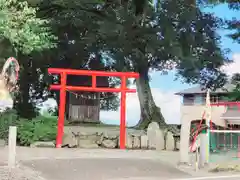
12 138
197 158
208 119
184 141
203 151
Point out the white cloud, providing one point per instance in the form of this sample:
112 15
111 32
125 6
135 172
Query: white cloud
169 103
233 67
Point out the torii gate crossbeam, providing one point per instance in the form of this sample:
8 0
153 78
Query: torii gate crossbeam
63 87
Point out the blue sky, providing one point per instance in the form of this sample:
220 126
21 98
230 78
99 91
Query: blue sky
164 86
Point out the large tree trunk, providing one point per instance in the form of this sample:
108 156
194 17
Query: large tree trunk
149 111
23 104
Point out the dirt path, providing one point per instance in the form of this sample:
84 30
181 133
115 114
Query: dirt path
103 169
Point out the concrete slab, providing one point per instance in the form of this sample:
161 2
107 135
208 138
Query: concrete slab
216 177
104 169
64 164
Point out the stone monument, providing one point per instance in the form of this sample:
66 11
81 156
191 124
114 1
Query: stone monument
155 136
170 142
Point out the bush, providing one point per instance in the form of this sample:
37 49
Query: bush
8 118
29 131
37 129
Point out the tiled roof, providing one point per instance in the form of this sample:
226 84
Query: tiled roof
231 114
199 90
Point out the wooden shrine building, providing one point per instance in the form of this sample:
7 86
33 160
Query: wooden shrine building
84 106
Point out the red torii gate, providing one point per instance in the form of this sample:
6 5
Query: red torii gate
63 88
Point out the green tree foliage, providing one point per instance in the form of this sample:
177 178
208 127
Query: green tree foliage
234 93
136 36
174 35
79 46
19 25
23 35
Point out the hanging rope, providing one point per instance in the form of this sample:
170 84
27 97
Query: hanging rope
86 97
10 80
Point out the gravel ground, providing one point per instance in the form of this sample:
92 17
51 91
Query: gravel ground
19 173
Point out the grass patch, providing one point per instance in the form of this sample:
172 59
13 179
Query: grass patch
225 168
